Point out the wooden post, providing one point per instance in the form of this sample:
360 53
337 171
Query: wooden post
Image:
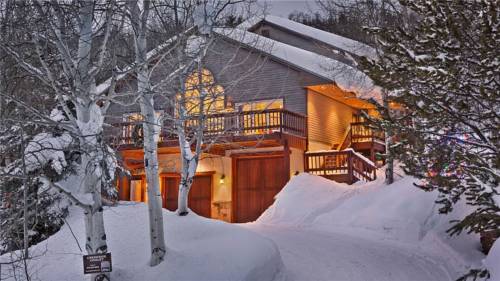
287 160
349 167
282 123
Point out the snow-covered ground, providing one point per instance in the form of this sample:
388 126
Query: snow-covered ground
198 249
316 230
367 231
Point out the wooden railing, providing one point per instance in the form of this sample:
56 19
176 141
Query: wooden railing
346 140
363 132
344 166
245 123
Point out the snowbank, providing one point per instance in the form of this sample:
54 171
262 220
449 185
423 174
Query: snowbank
492 262
303 199
400 213
198 249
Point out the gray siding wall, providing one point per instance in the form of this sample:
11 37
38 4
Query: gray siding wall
245 74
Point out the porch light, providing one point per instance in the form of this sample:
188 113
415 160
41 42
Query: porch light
221 181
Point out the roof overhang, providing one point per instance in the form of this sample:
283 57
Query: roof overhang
349 98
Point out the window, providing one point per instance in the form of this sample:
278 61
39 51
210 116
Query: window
202 93
262 118
132 132
260 105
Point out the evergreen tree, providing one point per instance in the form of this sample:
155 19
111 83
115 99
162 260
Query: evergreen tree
445 71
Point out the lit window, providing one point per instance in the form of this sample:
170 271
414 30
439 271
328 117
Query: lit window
260 105
212 99
263 117
132 132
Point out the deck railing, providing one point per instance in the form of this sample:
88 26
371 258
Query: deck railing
244 123
363 132
346 165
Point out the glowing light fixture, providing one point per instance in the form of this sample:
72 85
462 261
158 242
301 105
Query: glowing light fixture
221 181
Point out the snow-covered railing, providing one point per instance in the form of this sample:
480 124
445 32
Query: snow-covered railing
343 166
244 123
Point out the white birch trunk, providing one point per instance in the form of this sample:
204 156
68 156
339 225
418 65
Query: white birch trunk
389 171
151 129
79 89
90 124
188 170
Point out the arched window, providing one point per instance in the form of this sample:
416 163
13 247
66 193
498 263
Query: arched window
202 94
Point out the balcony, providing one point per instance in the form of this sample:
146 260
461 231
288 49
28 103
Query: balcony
345 166
227 130
363 132
363 137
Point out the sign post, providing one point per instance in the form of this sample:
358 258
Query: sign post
98 263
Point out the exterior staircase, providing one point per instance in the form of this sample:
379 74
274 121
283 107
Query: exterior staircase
347 166
351 160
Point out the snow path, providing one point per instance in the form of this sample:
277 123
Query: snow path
313 255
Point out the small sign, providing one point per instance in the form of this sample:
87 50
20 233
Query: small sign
97 263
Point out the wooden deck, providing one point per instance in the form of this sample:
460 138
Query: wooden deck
230 130
345 166
364 138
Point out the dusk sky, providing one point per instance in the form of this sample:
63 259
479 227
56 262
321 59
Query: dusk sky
285 7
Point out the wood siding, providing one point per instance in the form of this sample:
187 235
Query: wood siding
245 74
257 181
328 119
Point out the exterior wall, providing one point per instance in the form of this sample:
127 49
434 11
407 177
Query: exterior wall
328 121
247 75
289 37
296 161
221 190
316 145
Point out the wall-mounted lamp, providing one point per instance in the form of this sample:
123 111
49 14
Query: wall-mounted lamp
221 181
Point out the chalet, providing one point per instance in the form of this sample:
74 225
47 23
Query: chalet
297 107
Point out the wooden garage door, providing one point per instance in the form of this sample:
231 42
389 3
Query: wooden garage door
258 180
200 195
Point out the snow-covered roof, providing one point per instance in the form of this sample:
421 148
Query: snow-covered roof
346 77
331 39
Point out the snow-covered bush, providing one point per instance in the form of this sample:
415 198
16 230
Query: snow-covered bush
43 154
443 70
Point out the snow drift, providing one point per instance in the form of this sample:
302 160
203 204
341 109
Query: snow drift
198 249
400 213
492 262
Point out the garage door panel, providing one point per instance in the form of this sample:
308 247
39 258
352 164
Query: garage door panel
200 195
258 180
170 193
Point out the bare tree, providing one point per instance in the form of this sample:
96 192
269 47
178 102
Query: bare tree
139 19
69 46
185 87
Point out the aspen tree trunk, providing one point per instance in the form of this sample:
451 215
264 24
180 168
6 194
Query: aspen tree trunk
189 159
389 170
90 125
151 129
189 164
90 121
